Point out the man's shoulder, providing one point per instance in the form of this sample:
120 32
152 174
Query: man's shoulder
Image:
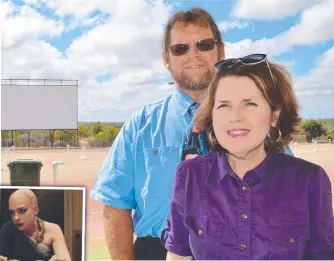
144 115
8 226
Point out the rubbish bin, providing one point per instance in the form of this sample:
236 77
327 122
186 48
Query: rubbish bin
25 172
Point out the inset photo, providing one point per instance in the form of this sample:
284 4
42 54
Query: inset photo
42 223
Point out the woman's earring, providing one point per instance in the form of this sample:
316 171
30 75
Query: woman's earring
210 138
279 135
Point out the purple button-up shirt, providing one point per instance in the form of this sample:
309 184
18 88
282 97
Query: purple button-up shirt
282 209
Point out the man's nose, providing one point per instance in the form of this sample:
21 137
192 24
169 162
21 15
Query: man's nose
16 216
193 50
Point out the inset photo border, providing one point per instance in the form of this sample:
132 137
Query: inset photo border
38 222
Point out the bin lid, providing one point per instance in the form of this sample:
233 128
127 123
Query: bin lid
24 161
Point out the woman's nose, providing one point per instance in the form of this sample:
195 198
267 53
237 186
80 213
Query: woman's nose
236 115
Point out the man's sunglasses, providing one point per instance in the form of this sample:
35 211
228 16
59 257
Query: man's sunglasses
202 45
251 59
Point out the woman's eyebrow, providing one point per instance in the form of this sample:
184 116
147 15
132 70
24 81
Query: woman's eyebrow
227 101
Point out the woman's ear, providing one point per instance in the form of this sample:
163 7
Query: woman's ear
275 117
35 210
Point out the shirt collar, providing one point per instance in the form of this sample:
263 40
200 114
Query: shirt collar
265 170
182 101
219 167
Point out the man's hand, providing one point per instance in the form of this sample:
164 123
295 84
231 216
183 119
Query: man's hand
3 258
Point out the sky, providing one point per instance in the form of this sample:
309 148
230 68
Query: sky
113 48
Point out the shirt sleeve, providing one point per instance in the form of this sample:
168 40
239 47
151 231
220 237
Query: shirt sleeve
114 185
321 245
175 237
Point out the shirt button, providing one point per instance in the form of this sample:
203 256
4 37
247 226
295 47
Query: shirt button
244 216
292 241
155 152
200 232
244 188
243 246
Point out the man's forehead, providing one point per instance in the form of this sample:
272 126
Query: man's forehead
23 196
183 31
19 201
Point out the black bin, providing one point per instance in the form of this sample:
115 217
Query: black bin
25 172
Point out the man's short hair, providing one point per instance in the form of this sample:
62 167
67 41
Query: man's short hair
195 16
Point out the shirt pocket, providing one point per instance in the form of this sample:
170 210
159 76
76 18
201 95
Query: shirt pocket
205 236
287 241
160 167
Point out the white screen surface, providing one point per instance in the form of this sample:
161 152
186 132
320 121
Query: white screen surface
39 107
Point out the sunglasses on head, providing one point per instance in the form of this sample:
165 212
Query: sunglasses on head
202 45
251 59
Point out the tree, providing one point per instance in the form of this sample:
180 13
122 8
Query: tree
108 134
53 135
83 132
96 128
313 129
330 134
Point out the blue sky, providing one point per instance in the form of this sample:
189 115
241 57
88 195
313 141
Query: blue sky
108 47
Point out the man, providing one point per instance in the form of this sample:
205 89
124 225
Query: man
26 237
139 169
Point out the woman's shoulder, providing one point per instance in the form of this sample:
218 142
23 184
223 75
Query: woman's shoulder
195 162
301 167
51 227
297 163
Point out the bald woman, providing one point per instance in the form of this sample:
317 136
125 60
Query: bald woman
27 237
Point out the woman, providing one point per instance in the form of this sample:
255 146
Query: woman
250 200
27 237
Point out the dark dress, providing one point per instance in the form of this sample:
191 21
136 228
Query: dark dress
16 245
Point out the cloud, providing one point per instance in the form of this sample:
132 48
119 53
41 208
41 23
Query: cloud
225 26
23 24
316 89
122 46
125 43
314 26
270 10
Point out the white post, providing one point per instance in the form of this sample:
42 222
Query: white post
13 150
68 148
54 166
83 157
315 145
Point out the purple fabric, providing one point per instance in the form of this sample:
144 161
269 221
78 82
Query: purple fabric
282 209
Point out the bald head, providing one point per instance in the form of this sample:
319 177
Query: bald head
24 196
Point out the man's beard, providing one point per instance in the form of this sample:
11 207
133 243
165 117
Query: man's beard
185 82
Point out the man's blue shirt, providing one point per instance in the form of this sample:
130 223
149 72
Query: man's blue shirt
139 170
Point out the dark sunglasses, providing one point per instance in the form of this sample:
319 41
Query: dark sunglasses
202 45
251 59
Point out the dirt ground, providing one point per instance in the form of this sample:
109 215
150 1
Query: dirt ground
81 168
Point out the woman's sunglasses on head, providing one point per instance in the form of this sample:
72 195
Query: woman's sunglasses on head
251 59
202 45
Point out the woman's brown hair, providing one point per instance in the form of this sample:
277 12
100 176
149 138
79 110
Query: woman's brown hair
278 92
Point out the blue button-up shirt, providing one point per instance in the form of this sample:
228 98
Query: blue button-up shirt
281 209
140 167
